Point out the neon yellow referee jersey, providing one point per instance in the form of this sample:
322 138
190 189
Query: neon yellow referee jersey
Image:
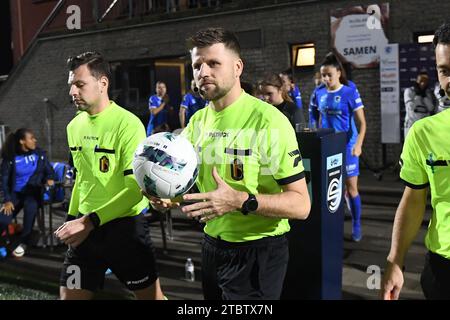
254 148
426 162
102 148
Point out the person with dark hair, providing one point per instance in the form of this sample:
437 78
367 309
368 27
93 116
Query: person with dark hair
104 227
252 185
313 112
249 88
338 106
291 87
317 79
25 171
425 166
158 105
418 101
275 93
192 102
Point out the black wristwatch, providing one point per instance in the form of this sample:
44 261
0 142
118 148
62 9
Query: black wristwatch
249 205
94 219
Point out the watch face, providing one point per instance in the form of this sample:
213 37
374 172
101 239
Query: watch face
252 205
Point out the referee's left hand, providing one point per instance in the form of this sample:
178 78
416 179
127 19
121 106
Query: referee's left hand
215 203
74 232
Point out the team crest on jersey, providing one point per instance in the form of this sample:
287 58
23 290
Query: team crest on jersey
237 170
337 99
104 164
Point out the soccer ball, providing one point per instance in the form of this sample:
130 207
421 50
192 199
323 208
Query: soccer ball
165 165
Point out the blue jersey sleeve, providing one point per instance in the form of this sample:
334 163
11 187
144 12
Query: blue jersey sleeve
355 100
186 101
313 110
296 97
153 102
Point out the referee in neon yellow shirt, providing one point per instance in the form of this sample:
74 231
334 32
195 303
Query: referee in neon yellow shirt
105 228
251 177
425 164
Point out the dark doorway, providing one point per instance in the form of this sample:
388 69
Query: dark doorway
6 62
134 81
172 73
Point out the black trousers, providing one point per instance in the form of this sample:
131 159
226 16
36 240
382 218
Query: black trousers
435 278
29 202
252 270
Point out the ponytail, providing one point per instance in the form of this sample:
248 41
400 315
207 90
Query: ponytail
332 60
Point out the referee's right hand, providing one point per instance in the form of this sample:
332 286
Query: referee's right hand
392 282
160 204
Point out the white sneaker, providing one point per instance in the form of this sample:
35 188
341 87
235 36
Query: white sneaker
19 251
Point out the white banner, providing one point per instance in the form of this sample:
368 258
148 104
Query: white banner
390 94
357 34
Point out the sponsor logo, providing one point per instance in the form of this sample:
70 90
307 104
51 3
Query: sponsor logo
297 155
90 138
137 281
334 182
218 134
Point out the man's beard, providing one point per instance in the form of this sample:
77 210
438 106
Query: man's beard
215 94
82 107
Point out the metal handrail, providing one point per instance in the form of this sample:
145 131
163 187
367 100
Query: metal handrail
108 10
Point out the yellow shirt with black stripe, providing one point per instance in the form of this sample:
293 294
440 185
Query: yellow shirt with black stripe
254 148
425 161
102 147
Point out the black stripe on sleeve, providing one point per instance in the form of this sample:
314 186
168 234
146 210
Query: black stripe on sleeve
128 172
437 163
415 186
291 179
111 151
238 152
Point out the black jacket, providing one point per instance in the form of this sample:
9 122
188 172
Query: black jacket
292 112
43 172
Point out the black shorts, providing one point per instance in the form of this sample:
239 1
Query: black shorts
123 245
435 278
252 270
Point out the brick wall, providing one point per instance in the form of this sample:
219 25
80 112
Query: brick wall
44 75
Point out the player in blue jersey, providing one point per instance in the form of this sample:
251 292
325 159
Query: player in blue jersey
157 107
192 102
313 111
338 106
291 88
25 170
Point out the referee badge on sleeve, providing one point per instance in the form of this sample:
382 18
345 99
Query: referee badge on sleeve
104 164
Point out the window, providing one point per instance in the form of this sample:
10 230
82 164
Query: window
303 55
423 37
